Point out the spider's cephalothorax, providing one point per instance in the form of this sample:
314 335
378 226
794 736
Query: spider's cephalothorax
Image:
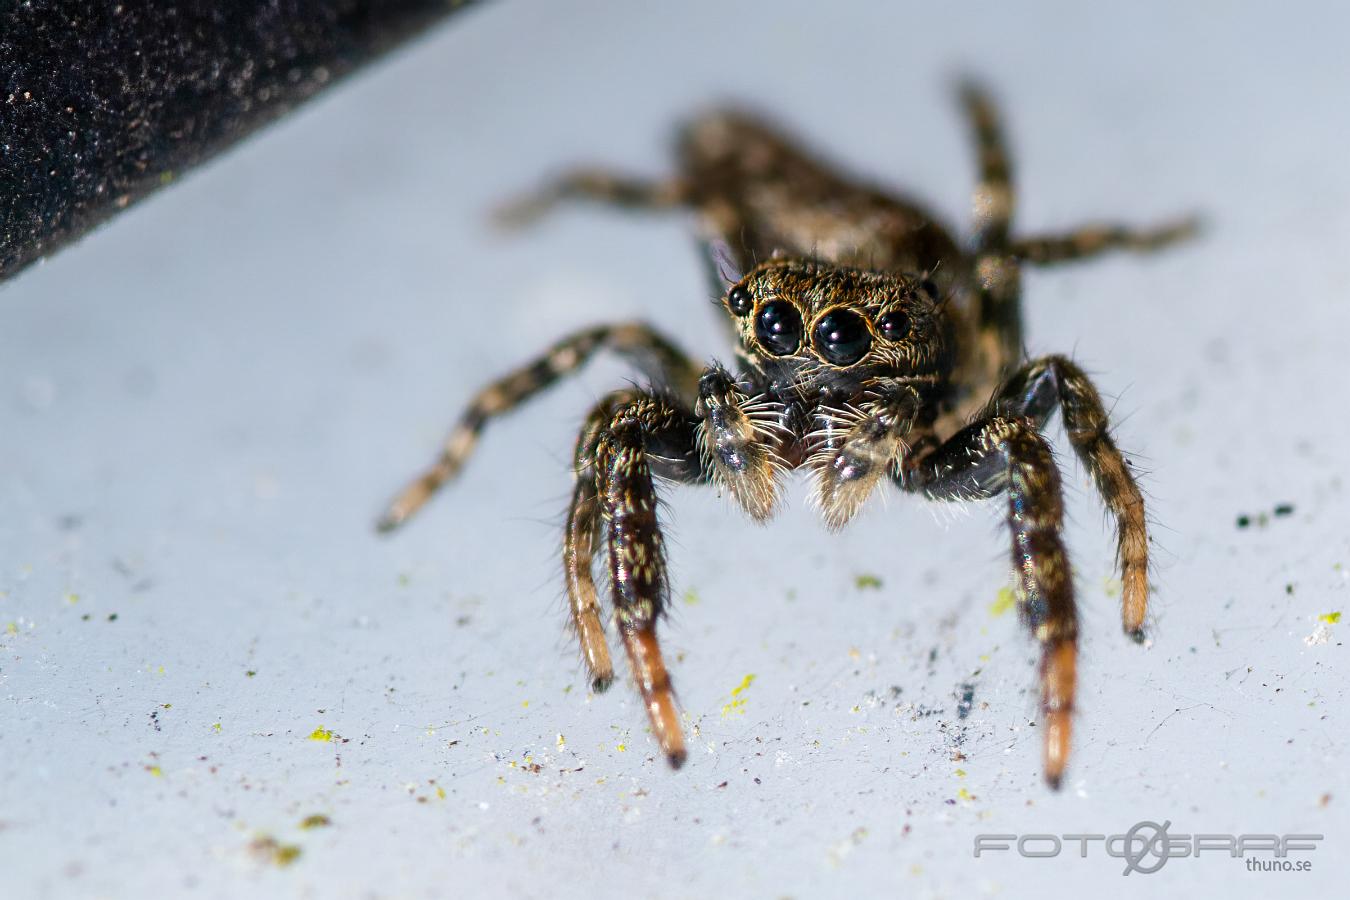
871 349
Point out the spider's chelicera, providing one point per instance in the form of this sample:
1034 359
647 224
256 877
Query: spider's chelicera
871 349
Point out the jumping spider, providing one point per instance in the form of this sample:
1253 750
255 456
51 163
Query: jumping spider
871 347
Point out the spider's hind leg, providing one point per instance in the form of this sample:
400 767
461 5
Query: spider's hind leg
994 199
1036 390
1093 240
599 185
997 274
661 360
996 455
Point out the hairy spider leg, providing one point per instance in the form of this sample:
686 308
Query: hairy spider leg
643 429
999 454
997 255
600 185
1093 240
1035 390
997 275
579 541
658 358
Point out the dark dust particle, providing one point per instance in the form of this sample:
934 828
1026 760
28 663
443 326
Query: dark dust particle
112 617
967 701
1243 521
1284 509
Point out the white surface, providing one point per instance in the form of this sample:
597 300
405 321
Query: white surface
204 405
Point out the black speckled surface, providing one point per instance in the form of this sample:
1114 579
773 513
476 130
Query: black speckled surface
100 102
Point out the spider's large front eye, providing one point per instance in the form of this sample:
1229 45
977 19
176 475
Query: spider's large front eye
842 337
778 327
739 301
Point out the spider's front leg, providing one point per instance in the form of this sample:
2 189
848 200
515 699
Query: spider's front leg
999 454
630 435
1035 390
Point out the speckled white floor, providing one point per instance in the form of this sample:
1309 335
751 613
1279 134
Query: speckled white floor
203 406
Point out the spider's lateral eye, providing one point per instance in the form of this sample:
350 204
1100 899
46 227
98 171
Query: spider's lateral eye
842 337
929 287
778 327
739 301
894 326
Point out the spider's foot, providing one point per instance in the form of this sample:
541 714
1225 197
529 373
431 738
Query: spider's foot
1057 687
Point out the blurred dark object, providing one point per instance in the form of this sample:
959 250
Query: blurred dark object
101 102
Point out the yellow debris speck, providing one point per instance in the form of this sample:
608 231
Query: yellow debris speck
965 794
560 742
867 581
11 628
286 854
321 734
691 597
960 773
1330 618
1005 601
622 748
525 704
72 598
318 820
737 703
1113 587
440 792
216 727
155 771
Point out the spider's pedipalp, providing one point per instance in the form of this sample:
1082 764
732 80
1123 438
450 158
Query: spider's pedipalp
736 436
1000 454
850 461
